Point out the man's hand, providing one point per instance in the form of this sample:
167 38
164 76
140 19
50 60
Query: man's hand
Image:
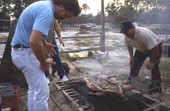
49 48
61 42
150 65
45 66
131 61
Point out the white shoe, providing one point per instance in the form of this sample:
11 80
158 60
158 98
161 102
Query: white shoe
64 78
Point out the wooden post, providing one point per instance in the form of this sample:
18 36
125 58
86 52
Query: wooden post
102 36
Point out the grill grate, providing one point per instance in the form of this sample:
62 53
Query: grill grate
77 102
77 96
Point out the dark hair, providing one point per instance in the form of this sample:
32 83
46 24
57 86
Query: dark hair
71 6
125 26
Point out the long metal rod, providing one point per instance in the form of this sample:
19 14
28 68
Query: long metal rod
56 103
71 37
3 42
71 62
74 37
78 50
4 20
149 90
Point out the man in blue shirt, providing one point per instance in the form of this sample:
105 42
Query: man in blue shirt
28 50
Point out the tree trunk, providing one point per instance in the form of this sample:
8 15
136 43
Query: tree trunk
8 71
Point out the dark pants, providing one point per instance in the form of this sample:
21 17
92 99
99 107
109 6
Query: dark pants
139 59
58 66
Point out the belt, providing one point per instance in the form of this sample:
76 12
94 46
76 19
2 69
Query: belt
19 46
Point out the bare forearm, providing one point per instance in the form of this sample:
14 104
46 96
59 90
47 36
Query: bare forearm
37 47
154 54
38 51
58 32
130 50
57 29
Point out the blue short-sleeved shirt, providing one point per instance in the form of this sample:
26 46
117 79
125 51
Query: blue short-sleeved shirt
37 16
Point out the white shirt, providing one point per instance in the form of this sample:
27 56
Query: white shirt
144 40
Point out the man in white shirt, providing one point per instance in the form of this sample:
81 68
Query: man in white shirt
147 44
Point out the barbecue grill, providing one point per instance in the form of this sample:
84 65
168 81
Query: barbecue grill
77 95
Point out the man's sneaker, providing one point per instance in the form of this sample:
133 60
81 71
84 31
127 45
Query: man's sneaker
64 78
154 84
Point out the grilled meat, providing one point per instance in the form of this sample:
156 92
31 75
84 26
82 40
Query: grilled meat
100 85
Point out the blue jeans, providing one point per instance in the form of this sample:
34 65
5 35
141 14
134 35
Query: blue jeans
58 66
38 92
139 59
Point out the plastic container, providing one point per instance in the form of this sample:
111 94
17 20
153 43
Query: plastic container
11 101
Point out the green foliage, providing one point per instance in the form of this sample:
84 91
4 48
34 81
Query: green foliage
83 18
13 8
145 11
85 7
137 9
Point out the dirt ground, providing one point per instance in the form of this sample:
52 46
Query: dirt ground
116 62
108 66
